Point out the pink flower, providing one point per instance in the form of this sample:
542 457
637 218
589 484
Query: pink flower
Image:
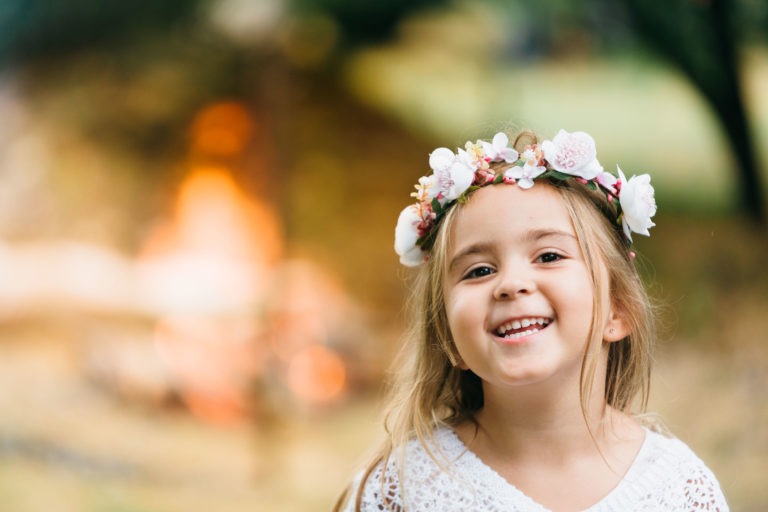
573 153
607 181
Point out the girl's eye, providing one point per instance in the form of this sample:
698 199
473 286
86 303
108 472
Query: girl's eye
549 257
478 272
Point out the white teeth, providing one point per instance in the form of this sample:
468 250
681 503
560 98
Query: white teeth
521 334
504 330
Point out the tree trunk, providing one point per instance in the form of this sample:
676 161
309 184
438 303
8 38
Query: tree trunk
698 38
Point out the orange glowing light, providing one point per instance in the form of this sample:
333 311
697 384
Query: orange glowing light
206 270
216 225
217 215
317 375
213 408
222 129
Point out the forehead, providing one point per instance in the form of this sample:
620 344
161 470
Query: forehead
509 211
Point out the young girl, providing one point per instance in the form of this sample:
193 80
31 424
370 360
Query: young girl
532 341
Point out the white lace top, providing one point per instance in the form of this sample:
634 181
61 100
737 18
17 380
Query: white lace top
665 476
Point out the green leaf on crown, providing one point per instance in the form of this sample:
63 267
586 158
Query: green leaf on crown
558 175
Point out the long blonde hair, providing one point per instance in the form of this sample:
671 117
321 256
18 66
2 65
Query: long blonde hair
429 390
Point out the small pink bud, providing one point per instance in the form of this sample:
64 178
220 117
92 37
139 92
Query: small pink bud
581 180
632 255
509 181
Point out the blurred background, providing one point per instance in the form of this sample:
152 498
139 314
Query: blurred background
199 299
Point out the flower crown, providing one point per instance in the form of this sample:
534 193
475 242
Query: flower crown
566 156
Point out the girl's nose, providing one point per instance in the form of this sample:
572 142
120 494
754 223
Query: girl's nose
512 285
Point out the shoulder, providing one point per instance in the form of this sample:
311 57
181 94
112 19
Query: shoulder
676 477
671 454
417 476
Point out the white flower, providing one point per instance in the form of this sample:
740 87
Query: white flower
497 149
524 175
441 158
637 204
531 168
406 235
453 175
573 153
471 157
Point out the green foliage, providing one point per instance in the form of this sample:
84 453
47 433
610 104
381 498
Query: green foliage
31 29
363 22
558 175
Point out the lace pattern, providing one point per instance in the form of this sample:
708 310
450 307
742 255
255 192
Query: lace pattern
666 475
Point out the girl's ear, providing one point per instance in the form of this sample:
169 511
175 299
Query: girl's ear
616 328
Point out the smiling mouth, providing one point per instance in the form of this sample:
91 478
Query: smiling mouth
521 327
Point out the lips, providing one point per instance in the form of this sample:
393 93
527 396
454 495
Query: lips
521 327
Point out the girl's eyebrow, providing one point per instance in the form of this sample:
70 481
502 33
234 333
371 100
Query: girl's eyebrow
538 234
476 248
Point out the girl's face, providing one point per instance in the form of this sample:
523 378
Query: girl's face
518 295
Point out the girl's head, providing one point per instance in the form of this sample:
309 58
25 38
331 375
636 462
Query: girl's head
555 187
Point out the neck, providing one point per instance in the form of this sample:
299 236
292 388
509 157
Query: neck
536 419
560 424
